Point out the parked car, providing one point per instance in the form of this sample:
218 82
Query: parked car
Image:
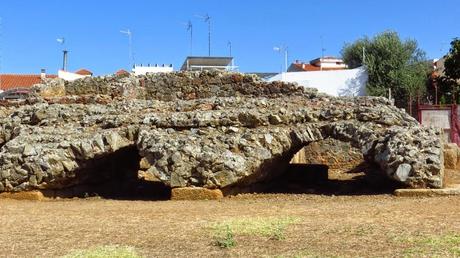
15 94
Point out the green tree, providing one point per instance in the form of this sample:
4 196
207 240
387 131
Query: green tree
452 63
449 82
391 64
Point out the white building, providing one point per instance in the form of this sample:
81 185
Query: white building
71 76
209 63
326 63
143 70
347 82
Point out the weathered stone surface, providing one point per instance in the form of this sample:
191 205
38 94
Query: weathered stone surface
26 195
451 157
452 190
337 155
211 130
195 193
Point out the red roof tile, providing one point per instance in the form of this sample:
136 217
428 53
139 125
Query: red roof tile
84 72
11 81
310 68
121 72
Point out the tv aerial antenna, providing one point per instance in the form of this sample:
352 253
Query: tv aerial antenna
206 18
189 27
129 34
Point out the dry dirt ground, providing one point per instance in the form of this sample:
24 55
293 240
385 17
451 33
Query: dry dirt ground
263 225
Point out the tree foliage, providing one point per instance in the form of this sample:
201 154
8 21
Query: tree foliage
449 83
391 64
452 63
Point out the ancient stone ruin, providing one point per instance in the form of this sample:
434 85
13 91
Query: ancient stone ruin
223 131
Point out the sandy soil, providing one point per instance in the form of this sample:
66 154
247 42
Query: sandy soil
325 226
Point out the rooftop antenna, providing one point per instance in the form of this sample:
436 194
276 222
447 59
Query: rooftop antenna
322 53
130 45
229 44
207 18
189 26
61 42
281 50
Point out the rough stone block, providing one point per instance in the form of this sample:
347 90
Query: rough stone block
27 195
450 158
454 190
195 193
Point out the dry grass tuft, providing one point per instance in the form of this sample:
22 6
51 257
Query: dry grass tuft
104 252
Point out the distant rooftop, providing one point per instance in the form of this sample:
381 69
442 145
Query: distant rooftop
318 64
199 63
13 81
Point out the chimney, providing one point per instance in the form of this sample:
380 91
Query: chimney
42 74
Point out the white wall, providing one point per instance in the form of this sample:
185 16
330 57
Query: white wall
68 76
142 70
350 82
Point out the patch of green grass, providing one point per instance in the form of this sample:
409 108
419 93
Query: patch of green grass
271 227
104 251
434 246
227 241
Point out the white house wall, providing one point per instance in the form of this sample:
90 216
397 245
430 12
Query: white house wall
68 76
350 82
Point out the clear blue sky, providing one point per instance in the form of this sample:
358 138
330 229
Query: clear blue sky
91 28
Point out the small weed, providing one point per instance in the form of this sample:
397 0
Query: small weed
271 227
103 252
227 241
278 233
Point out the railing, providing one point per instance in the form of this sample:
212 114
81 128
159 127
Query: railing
212 67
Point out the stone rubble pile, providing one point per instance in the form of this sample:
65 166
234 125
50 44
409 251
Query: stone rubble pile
213 130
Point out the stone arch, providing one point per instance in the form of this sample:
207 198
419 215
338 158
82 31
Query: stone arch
249 156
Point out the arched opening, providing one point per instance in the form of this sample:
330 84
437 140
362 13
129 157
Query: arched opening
329 167
113 176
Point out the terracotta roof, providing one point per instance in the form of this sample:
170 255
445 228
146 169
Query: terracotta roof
311 68
11 81
121 72
84 72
